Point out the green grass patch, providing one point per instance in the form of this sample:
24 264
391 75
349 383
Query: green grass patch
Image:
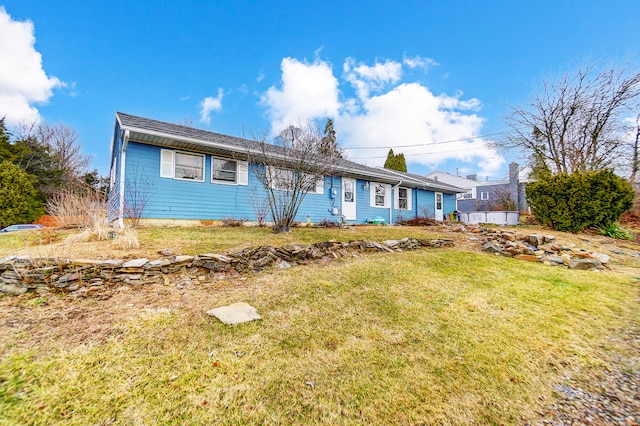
426 337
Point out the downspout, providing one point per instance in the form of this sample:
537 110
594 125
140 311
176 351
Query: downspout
123 157
393 189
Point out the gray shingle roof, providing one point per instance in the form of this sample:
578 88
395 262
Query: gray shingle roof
160 133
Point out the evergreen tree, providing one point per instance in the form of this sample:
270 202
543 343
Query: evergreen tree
395 162
18 199
35 159
329 143
6 151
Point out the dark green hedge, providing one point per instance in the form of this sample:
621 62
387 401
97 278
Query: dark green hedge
573 202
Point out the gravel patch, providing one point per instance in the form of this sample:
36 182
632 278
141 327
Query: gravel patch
612 397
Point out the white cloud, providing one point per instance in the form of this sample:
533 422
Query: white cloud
309 91
366 79
419 62
412 120
209 104
407 117
23 82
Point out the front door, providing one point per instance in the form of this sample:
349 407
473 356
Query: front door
349 198
439 211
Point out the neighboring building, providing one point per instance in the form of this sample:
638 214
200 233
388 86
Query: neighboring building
167 173
490 195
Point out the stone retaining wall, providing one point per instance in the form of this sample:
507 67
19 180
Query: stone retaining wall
21 274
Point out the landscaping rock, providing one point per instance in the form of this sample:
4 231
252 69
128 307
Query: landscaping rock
490 247
534 239
527 257
136 263
236 313
602 258
585 264
14 289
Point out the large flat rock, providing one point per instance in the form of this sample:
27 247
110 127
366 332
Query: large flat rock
236 313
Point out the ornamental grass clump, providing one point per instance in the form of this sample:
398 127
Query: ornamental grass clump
614 230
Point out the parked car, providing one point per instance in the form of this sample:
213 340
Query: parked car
21 227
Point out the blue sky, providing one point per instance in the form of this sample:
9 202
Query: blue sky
421 77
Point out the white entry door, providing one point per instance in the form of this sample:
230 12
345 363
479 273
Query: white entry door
349 198
439 214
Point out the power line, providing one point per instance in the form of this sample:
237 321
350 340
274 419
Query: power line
421 153
431 143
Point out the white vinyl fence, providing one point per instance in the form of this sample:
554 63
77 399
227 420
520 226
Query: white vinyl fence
498 218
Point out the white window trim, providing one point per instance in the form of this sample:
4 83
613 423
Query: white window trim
225 182
372 195
397 198
318 186
168 164
272 173
192 154
484 196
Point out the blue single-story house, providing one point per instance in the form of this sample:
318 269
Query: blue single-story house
167 173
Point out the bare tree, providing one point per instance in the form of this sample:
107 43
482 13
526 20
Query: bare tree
290 170
503 200
576 123
62 143
635 155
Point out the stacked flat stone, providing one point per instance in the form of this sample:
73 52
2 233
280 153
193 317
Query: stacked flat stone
19 274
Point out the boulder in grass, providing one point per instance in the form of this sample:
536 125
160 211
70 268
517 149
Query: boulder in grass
236 313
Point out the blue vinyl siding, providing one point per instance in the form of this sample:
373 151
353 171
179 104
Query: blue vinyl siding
166 198
408 213
426 201
317 206
448 204
183 199
363 204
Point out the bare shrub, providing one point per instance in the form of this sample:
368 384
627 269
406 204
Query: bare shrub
126 239
290 170
426 212
76 206
260 206
233 223
503 201
417 221
326 223
97 230
137 188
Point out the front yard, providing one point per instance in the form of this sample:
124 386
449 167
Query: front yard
440 336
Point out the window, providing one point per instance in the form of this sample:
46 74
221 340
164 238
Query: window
402 198
380 194
348 191
484 195
224 170
189 166
438 201
280 179
308 182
